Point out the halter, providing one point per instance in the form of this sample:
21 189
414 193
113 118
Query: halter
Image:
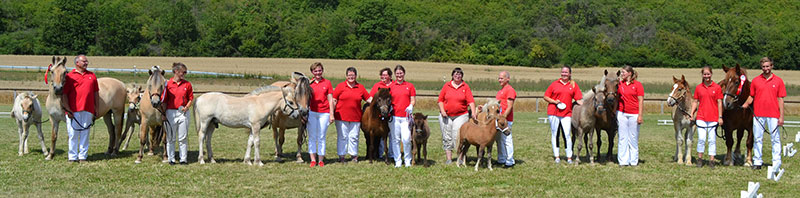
286 104
497 126
597 104
680 102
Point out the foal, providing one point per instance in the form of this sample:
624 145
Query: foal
419 138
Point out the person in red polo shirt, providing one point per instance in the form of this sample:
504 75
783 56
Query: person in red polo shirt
347 99
766 94
320 115
629 117
560 95
178 97
386 81
708 96
507 95
81 91
403 99
454 99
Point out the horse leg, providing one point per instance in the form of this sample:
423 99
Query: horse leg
247 151
22 135
729 145
111 136
481 150
489 157
749 144
414 153
41 138
611 135
579 144
210 134
678 143
589 147
425 153
301 133
257 145
143 130
26 132
688 144
119 115
739 136
125 135
385 151
151 132
201 136
278 138
53 137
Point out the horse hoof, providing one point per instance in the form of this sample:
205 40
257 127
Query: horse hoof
164 161
137 161
202 162
20 154
213 161
149 153
260 163
748 164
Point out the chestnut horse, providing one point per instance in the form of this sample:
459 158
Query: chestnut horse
681 98
481 135
420 131
736 89
281 121
375 123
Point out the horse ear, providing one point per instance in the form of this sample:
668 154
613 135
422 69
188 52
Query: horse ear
724 68
683 78
162 72
63 61
424 117
150 72
674 80
738 68
618 73
605 72
54 60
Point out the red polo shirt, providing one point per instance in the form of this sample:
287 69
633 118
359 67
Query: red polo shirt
707 96
629 103
377 86
505 94
178 94
456 99
348 102
564 93
319 98
765 93
401 97
80 90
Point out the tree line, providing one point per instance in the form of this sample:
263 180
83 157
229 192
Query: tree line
539 33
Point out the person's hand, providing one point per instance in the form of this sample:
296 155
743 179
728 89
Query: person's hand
69 114
744 106
780 121
719 121
409 109
331 119
444 115
639 120
182 109
557 101
475 116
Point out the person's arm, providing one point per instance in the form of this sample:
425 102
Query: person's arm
780 108
332 105
692 113
65 105
472 108
550 100
748 102
441 109
640 120
506 112
719 109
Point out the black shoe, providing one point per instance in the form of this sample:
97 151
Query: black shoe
171 163
755 167
711 164
699 163
509 166
184 163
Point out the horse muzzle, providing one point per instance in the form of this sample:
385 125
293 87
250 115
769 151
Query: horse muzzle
58 89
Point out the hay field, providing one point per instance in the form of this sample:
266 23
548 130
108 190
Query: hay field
425 71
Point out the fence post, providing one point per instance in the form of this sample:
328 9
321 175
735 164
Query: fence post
537 104
135 71
662 107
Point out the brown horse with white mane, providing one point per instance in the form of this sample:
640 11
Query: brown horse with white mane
736 88
375 123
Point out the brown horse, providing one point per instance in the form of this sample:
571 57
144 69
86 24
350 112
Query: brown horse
281 121
110 104
681 98
375 123
419 138
605 117
735 117
150 110
584 120
482 136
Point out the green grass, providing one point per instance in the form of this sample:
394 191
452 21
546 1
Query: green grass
535 174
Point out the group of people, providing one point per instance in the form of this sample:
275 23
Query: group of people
455 102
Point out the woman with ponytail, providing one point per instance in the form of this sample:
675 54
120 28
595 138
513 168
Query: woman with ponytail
560 95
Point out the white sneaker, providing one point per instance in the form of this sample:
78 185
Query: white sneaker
569 161
558 160
397 165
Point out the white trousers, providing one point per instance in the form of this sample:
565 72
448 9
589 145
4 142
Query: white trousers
703 132
317 127
179 125
347 139
505 147
78 132
759 123
566 125
399 131
628 146
450 127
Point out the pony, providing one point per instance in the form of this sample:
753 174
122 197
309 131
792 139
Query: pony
133 118
584 120
281 121
375 123
605 116
152 113
681 98
251 111
419 138
110 104
482 135
736 88
26 112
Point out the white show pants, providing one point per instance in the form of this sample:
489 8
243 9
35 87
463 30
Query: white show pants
566 125
347 139
78 132
179 125
317 127
505 147
628 146
703 132
759 123
399 131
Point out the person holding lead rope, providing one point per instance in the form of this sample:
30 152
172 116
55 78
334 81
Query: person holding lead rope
708 104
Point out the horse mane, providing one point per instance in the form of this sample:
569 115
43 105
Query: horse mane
264 89
384 93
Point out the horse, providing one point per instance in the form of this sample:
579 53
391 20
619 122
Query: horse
110 104
375 123
482 135
584 120
419 138
251 111
606 112
281 121
681 98
26 112
736 89
134 97
152 113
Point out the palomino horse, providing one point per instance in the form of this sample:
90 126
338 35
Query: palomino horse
26 112
281 121
151 112
111 104
250 111
375 123
482 135
584 120
134 97
736 88
681 98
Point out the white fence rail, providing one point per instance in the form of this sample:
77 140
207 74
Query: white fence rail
134 70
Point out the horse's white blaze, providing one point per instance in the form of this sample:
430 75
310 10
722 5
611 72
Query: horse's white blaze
669 98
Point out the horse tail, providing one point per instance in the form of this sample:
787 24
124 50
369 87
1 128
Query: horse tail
196 117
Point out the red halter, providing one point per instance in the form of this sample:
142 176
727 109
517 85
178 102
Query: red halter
741 83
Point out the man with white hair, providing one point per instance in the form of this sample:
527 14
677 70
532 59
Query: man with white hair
506 96
81 91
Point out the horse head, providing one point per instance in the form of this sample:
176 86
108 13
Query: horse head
734 85
25 100
419 122
610 85
302 94
134 93
598 99
679 92
56 74
290 106
384 103
155 85
501 124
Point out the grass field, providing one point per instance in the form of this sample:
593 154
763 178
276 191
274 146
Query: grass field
535 174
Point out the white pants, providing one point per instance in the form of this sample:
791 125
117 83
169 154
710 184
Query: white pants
505 147
347 140
450 127
317 127
78 132
566 125
179 125
628 146
703 131
759 123
399 131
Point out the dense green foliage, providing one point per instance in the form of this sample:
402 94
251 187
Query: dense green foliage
529 33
